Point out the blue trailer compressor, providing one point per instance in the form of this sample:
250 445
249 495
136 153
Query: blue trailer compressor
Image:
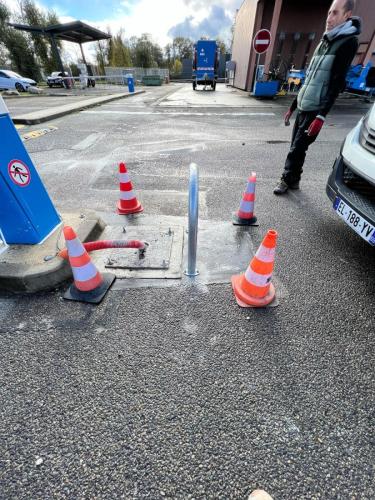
205 63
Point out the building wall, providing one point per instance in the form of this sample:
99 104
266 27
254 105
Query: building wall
242 41
293 23
366 10
296 16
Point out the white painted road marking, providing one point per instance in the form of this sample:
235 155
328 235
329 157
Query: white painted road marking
174 113
89 141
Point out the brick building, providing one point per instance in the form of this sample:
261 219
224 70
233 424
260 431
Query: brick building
296 28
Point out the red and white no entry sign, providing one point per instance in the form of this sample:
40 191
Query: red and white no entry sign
19 173
262 41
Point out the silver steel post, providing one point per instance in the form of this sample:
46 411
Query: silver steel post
193 221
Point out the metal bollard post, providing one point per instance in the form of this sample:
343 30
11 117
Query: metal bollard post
193 221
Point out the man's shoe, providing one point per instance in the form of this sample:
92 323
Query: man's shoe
281 187
294 185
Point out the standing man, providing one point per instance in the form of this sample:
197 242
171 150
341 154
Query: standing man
325 79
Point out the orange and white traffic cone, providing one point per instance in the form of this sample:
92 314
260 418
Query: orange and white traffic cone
128 203
260 495
89 284
245 214
254 288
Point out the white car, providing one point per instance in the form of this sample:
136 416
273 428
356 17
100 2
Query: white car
11 80
351 185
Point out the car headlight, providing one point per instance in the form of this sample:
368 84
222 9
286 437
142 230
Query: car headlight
364 125
367 135
342 146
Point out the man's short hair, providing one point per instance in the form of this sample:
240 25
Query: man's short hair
349 5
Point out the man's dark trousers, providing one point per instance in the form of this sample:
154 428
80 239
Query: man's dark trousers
299 145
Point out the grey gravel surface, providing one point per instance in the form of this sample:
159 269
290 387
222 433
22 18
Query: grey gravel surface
176 392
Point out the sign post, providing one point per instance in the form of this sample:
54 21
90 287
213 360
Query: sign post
261 43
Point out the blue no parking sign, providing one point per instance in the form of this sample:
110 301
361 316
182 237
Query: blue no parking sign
19 173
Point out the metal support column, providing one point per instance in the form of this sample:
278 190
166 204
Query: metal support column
193 221
83 55
57 53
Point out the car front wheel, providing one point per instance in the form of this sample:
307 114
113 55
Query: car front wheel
19 87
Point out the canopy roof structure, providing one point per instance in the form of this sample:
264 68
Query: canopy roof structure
76 32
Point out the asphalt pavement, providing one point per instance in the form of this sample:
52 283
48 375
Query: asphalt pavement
168 389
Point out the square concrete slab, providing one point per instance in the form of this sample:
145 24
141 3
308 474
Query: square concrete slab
162 259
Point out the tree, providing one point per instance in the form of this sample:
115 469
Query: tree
3 54
44 52
142 55
144 52
101 54
222 46
110 48
157 55
168 55
176 67
52 19
74 69
120 53
18 46
182 47
32 16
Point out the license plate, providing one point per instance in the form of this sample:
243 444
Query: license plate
360 225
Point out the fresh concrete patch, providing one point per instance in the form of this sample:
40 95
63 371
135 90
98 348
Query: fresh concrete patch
223 96
223 250
161 260
33 268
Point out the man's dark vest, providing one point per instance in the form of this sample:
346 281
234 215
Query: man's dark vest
314 89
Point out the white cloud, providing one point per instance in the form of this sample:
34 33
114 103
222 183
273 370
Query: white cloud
147 16
229 5
12 5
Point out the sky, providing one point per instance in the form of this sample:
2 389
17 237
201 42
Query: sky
163 19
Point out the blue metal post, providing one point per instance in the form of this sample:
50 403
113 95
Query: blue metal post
130 82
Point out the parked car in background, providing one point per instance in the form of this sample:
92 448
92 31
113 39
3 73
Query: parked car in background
351 185
60 79
11 80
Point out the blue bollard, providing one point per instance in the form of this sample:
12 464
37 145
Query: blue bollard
130 83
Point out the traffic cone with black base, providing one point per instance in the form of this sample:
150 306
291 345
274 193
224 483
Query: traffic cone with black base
89 284
245 215
254 288
128 203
